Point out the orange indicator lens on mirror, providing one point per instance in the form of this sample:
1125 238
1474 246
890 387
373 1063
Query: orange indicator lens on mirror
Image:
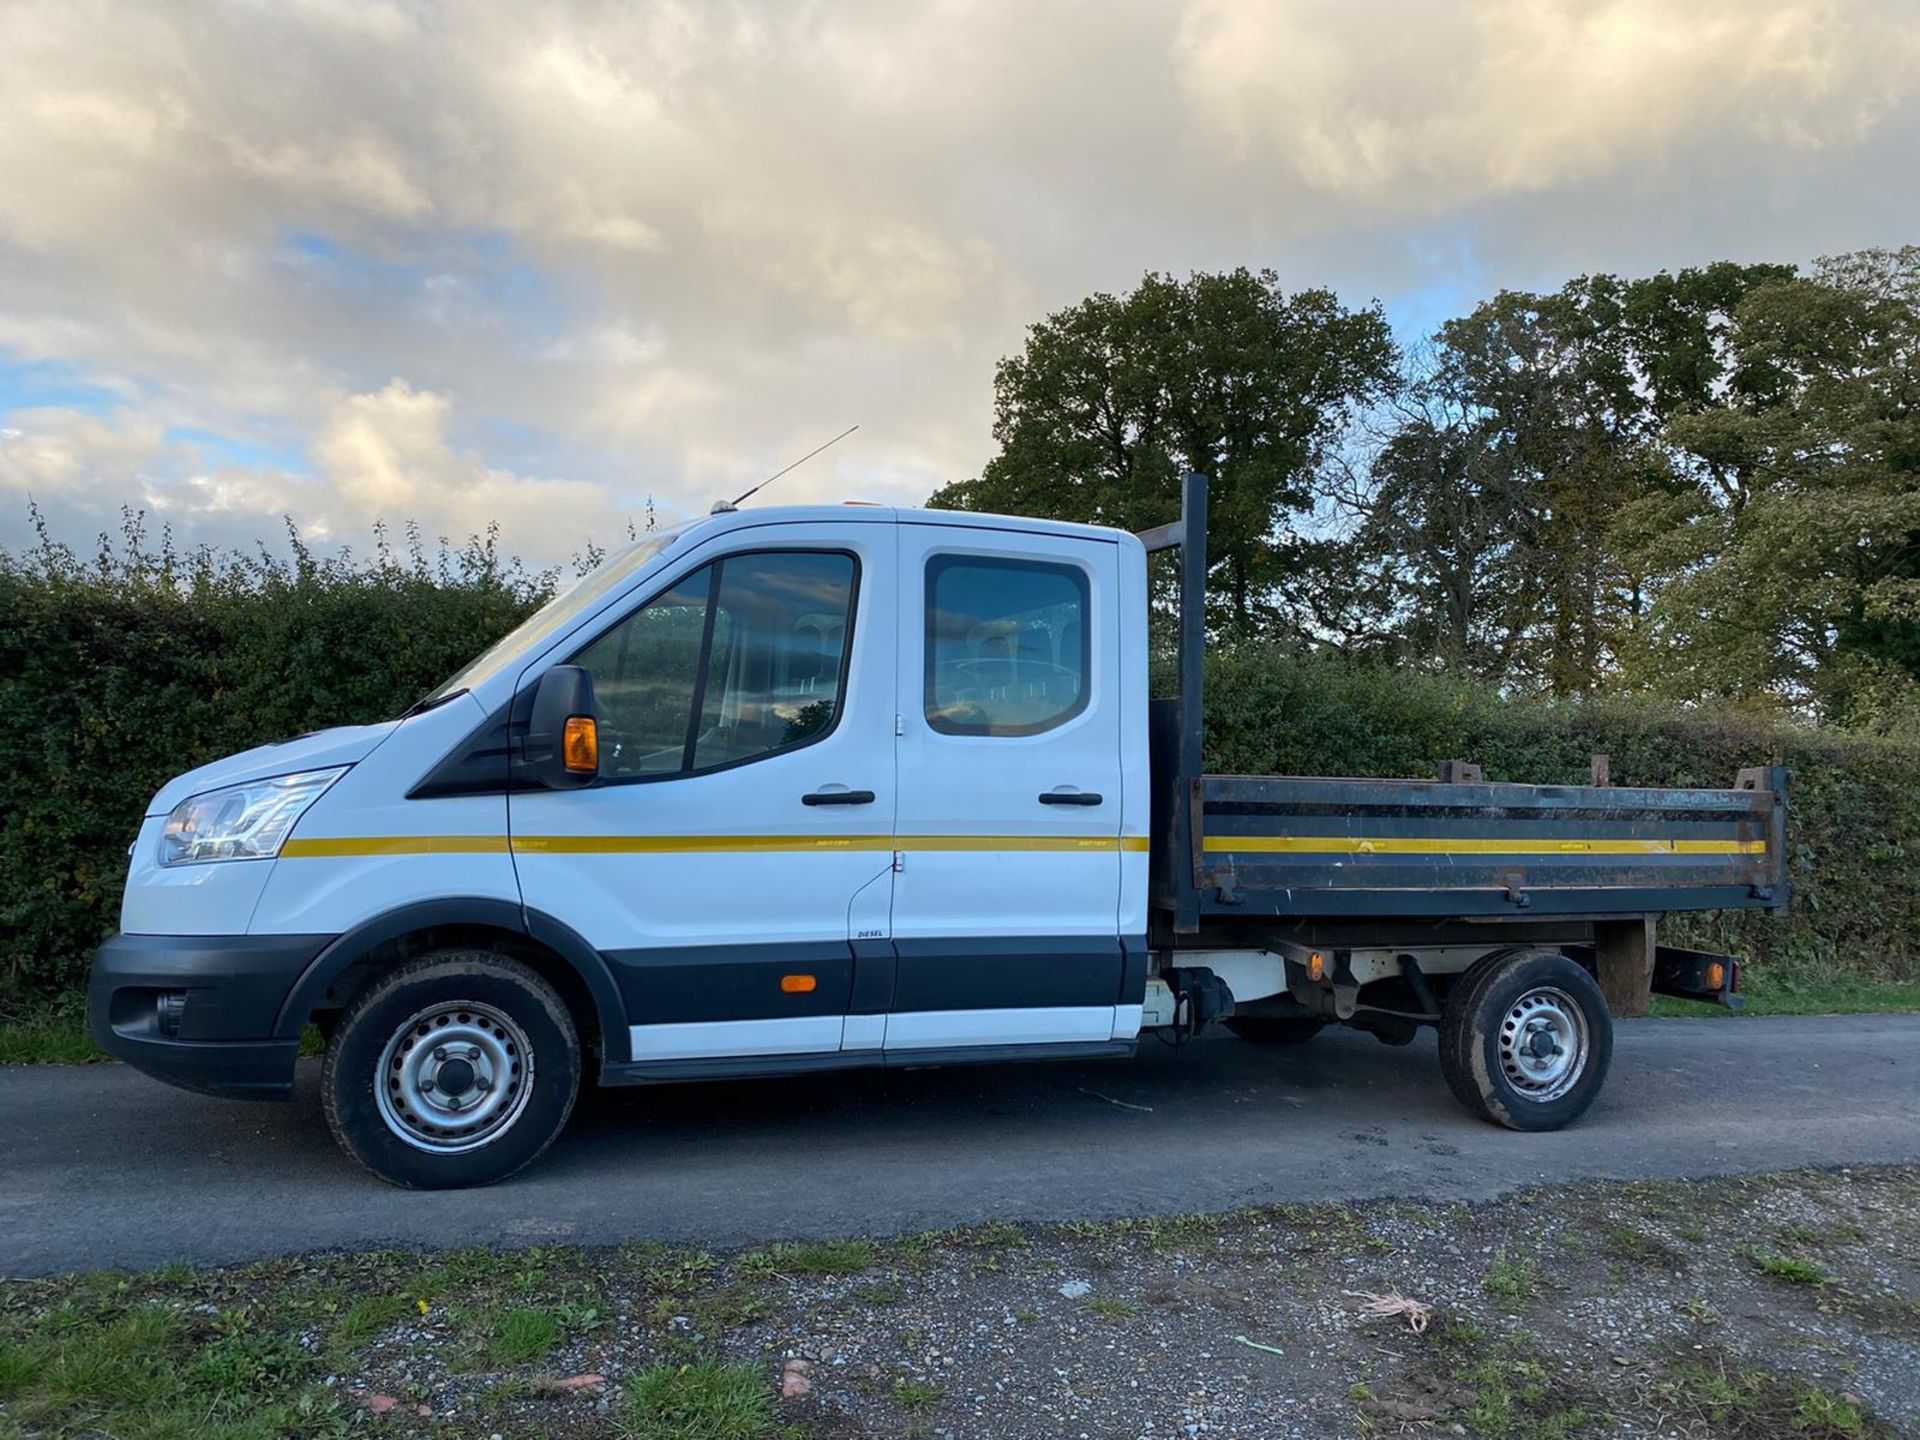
798 984
580 749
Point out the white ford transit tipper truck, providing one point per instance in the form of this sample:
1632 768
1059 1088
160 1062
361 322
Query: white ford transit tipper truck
799 789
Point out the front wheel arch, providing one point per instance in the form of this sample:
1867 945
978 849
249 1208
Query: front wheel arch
553 950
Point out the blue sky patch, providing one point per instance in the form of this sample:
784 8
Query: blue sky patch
461 279
49 384
233 450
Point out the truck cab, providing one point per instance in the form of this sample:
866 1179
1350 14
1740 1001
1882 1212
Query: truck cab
785 789
815 788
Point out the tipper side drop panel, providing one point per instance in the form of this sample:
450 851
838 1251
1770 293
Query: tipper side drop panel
1308 846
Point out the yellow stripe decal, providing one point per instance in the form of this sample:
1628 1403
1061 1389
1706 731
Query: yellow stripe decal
396 845
692 844
1360 845
703 844
1128 843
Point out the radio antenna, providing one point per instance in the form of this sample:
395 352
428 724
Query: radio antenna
722 507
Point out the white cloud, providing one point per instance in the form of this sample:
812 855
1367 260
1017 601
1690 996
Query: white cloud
379 457
1438 105
667 247
386 457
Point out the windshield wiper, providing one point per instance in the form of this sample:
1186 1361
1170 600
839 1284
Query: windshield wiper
431 702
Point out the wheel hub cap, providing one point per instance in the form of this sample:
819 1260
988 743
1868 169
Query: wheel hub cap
454 1077
1543 1044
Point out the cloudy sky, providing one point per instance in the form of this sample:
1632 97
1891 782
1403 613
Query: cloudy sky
532 263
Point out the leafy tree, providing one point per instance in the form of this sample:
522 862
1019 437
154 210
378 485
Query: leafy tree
1113 398
1797 576
1522 461
1434 499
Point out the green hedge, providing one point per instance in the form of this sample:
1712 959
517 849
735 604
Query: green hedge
117 674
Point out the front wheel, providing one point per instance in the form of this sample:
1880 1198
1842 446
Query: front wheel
1525 1040
456 1069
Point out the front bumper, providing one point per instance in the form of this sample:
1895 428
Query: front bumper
199 1011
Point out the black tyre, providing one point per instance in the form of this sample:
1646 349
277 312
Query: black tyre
1274 1029
1525 1039
455 1069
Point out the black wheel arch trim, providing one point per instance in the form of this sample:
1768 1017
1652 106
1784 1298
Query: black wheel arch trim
496 914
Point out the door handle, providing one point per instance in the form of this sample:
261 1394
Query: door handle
838 797
1070 797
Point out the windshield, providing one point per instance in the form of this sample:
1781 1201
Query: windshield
558 613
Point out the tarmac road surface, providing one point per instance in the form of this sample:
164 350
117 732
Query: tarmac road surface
102 1167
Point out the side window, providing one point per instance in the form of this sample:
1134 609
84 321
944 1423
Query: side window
1007 644
741 659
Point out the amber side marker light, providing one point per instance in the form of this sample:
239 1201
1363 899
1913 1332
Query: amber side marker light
798 984
1716 975
580 746
1316 966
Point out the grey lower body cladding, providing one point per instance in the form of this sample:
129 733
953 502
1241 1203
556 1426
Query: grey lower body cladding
679 985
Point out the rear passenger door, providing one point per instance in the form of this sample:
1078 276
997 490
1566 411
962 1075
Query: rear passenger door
1008 812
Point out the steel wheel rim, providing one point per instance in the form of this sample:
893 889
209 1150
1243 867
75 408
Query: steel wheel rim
1543 1043
454 1077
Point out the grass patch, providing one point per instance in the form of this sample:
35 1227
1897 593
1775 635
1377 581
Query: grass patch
144 1370
1821 1412
999 1235
1732 1399
1109 1307
1790 995
713 1312
367 1319
1513 1399
917 1396
1787 1269
1171 1232
52 1035
523 1336
702 1401
825 1257
1633 1246
1471 1384
1512 1279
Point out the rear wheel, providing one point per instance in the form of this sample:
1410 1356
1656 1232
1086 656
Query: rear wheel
456 1069
1274 1029
1525 1040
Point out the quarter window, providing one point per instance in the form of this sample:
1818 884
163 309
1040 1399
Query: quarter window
742 659
1007 645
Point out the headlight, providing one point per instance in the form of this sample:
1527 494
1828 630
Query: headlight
241 822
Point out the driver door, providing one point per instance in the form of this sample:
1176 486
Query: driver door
745 795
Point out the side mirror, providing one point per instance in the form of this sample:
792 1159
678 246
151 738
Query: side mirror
560 749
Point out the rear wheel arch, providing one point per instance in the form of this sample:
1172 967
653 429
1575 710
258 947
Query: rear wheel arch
550 948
